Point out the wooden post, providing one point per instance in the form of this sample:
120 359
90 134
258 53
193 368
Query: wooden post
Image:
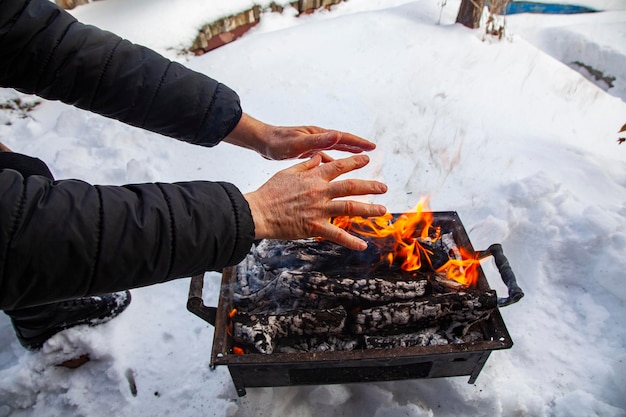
470 13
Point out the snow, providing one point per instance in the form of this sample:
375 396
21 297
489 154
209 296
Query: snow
505 132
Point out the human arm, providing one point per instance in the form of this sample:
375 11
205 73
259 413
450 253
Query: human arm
65 239
45 51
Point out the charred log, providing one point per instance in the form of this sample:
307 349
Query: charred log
462 307
294 296
315 290
431 336
262 330
312 255
425 337
333 259
376 290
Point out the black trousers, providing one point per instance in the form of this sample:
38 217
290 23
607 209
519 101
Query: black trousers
27 166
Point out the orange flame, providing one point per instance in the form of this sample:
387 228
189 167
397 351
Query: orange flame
236 349
404 233
464 270
231 314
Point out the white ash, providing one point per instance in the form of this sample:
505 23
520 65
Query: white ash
317 344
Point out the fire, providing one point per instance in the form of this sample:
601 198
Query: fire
236 349
400 241
464 270
231 314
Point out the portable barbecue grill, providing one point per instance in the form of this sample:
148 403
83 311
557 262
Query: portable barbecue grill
360 365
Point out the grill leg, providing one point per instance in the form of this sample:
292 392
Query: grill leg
478 367
238 381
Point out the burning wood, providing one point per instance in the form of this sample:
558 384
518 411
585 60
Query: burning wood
451 314
411 287
282 308
303 272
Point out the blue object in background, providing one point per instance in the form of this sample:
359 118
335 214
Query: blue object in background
546 8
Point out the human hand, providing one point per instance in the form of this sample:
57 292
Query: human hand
279 142
298 202
4 148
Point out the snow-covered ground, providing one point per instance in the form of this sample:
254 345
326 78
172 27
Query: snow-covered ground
507 133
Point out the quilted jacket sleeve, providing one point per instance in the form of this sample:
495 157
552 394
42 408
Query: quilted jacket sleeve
63 239
67 238
45 51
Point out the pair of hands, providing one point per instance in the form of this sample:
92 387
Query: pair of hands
299 201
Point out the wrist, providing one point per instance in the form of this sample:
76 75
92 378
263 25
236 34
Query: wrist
256 209
249 133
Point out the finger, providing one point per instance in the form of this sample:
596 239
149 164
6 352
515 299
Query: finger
348 188
317 142
346 148
327 140
355 208
351 141
307 165
324 155
326 158
341 237
337 147
332 170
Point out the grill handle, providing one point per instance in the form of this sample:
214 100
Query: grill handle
506 273
195 303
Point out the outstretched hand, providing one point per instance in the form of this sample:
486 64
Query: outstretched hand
299 201
279 142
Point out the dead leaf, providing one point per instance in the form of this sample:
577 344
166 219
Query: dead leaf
623 129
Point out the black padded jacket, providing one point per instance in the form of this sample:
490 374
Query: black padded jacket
67 238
